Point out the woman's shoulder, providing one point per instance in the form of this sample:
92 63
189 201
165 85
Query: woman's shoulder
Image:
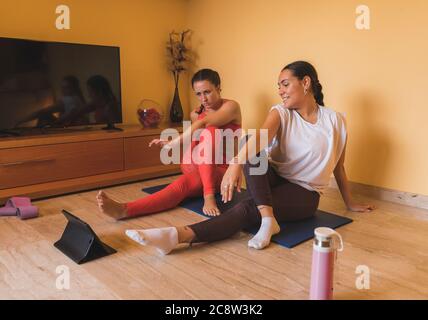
336 117
229 103
232 107
283 112
333 114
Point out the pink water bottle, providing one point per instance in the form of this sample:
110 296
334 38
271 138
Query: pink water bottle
323 258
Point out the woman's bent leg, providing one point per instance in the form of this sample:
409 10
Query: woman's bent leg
260 186
241 216
209 171
260 189
209 142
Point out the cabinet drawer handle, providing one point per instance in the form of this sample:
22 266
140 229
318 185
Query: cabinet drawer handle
20 163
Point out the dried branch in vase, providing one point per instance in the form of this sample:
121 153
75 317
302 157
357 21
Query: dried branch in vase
178 53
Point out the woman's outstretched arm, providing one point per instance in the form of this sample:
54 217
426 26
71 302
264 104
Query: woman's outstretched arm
233 176
229 112
343 184
255 144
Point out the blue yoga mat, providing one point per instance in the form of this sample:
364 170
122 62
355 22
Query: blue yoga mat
292 233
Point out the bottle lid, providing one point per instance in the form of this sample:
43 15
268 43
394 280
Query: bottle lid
324 236
324 233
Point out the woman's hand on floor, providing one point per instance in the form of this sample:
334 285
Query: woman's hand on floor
231 179
355 207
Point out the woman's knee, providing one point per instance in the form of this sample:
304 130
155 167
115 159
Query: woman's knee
255 161
210 128
247 210
246 169
210 133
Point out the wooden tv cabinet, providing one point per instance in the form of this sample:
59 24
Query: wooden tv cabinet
63 162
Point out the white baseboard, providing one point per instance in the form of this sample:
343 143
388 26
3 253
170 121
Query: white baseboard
401 197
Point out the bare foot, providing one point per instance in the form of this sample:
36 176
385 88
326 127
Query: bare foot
210 206
111 207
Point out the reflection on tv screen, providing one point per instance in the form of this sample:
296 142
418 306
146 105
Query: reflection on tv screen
48 84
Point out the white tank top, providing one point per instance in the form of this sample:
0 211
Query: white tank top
306 153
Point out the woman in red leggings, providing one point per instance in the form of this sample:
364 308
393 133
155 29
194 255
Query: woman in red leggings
199 177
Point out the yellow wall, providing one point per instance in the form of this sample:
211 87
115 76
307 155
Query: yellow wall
139 27
377 77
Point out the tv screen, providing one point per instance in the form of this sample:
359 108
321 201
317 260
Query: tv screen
53 84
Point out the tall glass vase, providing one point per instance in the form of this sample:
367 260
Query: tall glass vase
176 111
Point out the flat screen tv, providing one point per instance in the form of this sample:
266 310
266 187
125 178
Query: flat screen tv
52 84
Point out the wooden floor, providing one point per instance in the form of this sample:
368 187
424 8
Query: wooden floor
392 241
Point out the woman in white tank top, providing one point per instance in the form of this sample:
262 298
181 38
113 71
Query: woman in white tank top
307 143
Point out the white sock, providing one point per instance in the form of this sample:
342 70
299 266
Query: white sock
268 228
164 239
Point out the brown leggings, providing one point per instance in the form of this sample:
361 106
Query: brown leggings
290 202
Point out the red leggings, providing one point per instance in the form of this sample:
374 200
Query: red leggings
197 179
